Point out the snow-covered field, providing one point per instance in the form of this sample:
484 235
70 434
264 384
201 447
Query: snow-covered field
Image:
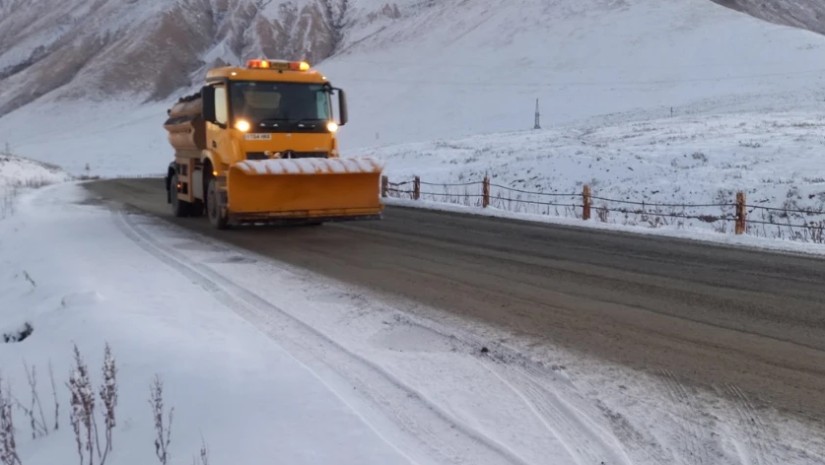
289 366
776 159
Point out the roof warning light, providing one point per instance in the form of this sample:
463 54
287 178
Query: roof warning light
279 65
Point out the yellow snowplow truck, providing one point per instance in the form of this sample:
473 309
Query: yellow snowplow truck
258 144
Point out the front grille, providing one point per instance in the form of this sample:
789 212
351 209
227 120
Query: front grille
287 154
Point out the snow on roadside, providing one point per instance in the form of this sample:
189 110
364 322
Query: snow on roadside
775 158
69 272
17 172
20 173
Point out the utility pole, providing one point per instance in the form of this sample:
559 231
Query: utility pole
537 125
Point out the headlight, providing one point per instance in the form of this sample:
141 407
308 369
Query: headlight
332 126
243 125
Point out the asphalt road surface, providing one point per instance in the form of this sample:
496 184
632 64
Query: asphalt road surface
710 315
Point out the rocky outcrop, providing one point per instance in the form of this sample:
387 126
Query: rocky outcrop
96 48
805 14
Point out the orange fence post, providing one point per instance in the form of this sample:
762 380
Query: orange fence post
586 202
416 188
741 213
485 192
385 186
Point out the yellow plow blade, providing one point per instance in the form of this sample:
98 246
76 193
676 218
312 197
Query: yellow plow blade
305 188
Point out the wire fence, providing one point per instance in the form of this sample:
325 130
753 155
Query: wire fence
737 216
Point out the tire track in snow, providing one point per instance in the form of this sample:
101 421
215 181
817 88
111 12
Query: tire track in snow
753 426
425 425
694 450
584 440
635 442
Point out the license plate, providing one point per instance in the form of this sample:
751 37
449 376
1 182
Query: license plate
258 136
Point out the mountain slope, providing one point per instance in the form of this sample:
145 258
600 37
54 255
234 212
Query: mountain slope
415 70
460 68
805 14
93 49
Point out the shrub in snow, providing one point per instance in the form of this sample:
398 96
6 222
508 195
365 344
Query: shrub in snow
163 431
8 447
82 416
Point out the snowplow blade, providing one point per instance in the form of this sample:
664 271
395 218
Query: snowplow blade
316 189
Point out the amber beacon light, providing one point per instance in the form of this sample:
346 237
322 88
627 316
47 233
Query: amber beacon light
262 63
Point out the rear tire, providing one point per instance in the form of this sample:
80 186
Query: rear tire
217 215
180 208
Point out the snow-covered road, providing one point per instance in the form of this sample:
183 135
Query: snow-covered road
264 361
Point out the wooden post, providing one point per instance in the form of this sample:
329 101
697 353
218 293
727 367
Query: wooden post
385 186
416 188
586 202
485 192
741 213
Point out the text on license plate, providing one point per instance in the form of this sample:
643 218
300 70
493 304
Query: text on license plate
258 136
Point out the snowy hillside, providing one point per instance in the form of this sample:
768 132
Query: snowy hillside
420 71
430 75
85 49
808 14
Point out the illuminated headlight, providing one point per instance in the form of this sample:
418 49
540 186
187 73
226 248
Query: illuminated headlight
243 125
332 126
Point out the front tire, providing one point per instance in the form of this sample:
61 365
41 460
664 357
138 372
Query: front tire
215 211
180 208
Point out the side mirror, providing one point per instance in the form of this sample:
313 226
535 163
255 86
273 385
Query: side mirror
208 99
342 107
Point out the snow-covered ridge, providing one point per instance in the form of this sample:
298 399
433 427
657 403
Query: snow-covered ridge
808 14
85 49
16 172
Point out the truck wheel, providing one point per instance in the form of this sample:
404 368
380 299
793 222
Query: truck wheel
217 215
180 208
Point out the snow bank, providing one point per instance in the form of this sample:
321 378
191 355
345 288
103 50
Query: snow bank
19 173
775 158
71 273
16 172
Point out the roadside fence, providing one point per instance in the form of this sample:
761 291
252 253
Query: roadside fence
736 214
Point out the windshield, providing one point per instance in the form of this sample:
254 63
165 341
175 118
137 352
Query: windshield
259 102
